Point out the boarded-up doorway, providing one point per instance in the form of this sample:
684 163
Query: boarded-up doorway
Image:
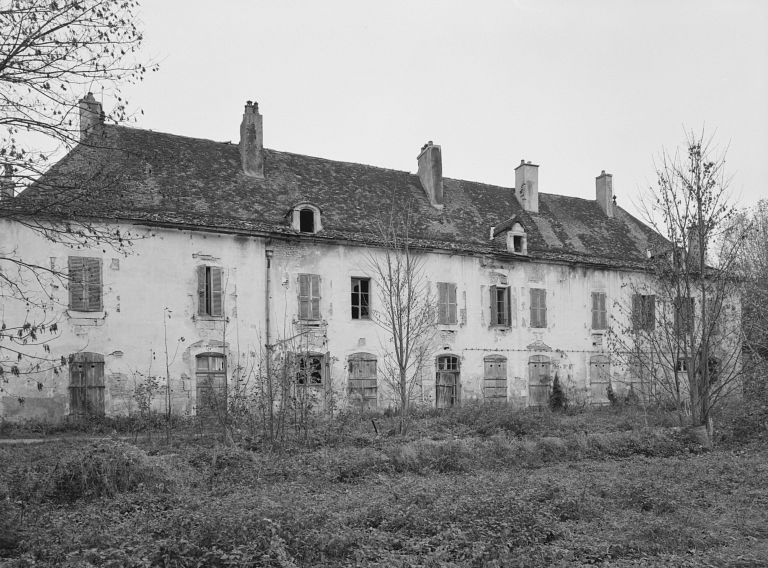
539 380
447 381
86 384
599 379
211 379
495 379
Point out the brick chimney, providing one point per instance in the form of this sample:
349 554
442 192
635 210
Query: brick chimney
6 183
604 192
431 173
527 186
252 141
91 115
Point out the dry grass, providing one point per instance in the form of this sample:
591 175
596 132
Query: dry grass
515 490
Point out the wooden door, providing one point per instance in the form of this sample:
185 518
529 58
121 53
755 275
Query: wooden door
86 384
447 381
495 379
599 379
211 381
539 380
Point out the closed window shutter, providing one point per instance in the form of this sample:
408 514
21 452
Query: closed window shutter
595 310
543 308
304 298
637 312
506 315
535 308
651 312
76 283
442 303
92 284
603 312
451 303
315 297
202 286
217 296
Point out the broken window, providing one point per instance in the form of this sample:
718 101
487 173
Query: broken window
447 381
361 294
495 378
307 221
363 379
309 297
210 298
500 308
85 289
643 312
211 383
599 313
538 307
684 307
682 365
310 370
446 303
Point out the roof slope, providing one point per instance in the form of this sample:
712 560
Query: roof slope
153 177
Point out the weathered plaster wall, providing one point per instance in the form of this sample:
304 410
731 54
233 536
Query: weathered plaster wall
156 280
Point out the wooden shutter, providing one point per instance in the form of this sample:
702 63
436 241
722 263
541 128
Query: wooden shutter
304 298
315 280
599 319
217 294
442 302
494 306
76 283
451 303
538 307
92 283
202 286
650 312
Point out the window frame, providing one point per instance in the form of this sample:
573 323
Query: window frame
363 298
538 308
599 315
85 277
301 360
501 309
447 303
311 299
210 291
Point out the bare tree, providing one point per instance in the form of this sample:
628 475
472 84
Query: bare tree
51 54
406 312
682 330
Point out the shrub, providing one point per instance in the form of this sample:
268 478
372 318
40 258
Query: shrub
557 398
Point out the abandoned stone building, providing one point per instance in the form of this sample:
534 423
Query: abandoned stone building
234 247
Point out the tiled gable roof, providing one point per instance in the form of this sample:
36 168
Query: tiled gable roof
158 178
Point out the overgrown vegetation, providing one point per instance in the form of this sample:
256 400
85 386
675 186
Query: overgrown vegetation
471 486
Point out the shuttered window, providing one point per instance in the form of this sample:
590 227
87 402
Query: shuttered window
538 307
500 308
684 307
643 312
599 313
309 297
446 303
85 289
210 301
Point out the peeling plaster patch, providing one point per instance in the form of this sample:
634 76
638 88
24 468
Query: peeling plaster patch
115 264
538 345
361 342
117 353
205 257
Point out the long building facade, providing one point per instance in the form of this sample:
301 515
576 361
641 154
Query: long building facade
233 259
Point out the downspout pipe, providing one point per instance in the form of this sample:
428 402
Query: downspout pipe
268 338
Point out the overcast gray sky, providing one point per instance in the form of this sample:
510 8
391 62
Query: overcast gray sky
574 86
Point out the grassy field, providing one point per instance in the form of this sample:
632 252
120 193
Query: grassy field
476 486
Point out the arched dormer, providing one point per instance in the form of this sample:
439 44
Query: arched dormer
305 218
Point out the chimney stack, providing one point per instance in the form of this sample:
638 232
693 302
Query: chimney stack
252 141
91 115
527 186
431 173
6 183
604 193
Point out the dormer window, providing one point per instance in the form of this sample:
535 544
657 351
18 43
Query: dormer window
517 241
305 218
307 221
